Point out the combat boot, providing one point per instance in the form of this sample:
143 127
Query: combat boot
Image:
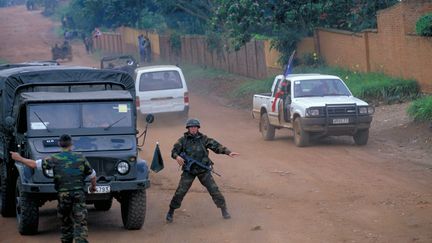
170 215
225 213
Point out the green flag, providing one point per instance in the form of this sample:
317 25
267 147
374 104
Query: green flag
157 162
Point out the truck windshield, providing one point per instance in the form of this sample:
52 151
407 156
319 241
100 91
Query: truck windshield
86 115
320 87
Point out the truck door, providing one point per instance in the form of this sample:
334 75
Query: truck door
275 103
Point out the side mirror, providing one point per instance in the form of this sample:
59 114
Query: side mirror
149 118
9 123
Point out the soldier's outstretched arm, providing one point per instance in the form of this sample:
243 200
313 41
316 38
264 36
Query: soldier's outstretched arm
29 162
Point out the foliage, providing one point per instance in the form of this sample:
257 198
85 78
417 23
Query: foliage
214 41
175 42
424 25
421 109
312 59
290 20
88 14
151 21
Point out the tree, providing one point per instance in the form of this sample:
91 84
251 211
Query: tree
287 21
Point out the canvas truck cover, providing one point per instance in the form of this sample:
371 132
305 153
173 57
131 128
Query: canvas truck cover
15 79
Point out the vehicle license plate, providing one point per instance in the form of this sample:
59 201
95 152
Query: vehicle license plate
340 120
101 189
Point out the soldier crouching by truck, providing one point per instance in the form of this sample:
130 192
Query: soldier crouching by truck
70 171
195 145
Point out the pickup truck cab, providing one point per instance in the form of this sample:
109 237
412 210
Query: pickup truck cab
313 105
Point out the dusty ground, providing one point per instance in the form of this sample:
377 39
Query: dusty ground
332 191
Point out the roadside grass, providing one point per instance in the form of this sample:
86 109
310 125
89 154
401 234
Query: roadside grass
421 109
3 61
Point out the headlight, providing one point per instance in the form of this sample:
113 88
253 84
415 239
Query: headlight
366 110
123 167
49 173
313 112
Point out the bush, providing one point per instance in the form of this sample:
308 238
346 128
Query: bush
424 25
312 59
421 109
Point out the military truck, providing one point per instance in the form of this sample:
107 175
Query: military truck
97 108
30 63
125 63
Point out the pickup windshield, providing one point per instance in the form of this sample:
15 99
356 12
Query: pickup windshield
320 87
84 115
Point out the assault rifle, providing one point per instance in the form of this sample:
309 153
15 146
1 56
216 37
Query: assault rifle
190 161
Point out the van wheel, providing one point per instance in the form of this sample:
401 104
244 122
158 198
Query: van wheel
267 130
133 209
361 137
301 137
27 212
7 192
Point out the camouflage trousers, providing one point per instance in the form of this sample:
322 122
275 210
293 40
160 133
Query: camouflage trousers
206 180
73 213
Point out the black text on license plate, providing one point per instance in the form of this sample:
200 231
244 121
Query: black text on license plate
340 120
102 189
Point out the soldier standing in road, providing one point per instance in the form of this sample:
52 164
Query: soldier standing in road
70 171
195 145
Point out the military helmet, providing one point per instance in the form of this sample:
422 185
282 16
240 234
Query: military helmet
193 123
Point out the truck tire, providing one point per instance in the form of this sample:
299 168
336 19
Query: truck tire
104 205
361 137
27 212
301 137
267 130
133 209
7 193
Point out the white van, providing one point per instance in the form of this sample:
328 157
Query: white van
161 89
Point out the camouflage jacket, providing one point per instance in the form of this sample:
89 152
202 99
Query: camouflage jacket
70 170
197 147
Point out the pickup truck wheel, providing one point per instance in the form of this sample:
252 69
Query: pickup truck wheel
7 193
104 205
27 212
361 137
301 137
267 130
133 209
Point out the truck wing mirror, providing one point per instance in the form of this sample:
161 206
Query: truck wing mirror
149 118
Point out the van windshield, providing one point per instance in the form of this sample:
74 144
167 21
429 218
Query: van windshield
160 81
84 115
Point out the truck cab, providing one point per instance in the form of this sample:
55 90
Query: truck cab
97 108
312 105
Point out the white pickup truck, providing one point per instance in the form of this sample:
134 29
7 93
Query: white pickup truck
313 105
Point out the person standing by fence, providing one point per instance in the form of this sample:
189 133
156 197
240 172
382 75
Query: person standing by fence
141 48
147 50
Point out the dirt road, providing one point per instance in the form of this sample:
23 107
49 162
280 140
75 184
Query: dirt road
330 192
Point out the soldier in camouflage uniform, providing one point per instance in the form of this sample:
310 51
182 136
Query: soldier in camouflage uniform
70 171
195 145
